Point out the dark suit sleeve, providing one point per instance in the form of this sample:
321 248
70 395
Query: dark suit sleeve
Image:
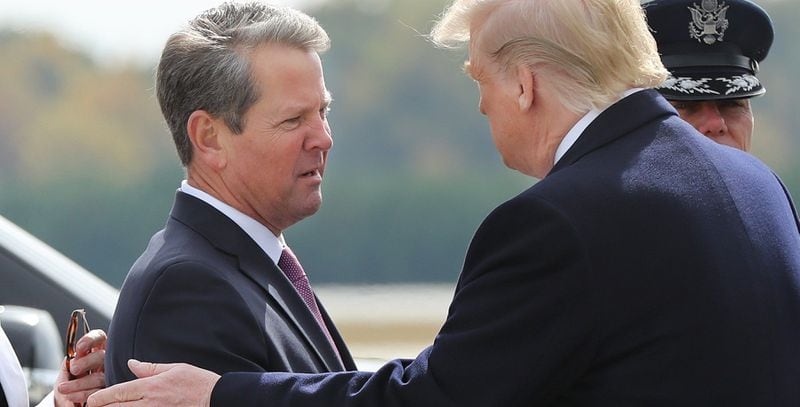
194 315
518 330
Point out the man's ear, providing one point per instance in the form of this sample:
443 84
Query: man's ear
526 83
206 138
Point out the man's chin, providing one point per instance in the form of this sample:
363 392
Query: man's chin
312 205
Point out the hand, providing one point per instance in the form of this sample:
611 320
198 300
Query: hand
91 351
167 385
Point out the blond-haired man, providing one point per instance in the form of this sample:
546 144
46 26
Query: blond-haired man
649 266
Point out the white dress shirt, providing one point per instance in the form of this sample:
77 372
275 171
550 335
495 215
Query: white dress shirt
11 374
271 245
575 132
12 378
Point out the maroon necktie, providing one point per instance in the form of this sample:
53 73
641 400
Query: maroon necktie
294 271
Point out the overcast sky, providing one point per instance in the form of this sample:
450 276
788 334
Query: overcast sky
110 30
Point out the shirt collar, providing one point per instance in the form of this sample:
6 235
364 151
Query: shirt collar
271 245
575 132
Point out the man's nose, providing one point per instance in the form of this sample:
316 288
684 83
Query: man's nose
712 123
320 136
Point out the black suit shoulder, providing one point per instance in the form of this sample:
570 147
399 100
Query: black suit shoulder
194 314
178 304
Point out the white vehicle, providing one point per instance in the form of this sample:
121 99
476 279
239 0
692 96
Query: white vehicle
39 288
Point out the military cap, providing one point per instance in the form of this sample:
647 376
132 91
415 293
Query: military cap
711 48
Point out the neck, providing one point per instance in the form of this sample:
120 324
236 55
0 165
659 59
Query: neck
557 125
212 184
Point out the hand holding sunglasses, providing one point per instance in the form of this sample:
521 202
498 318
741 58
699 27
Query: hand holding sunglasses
82 372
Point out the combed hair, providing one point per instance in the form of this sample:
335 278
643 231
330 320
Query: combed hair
590 50
206 65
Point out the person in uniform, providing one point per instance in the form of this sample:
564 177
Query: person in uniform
712 50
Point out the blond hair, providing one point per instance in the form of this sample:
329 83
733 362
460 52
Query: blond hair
590 50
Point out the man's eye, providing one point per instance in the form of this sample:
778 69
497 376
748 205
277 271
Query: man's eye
291 123
323 113
680 105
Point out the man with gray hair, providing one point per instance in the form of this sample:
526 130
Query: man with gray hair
242 90
650 266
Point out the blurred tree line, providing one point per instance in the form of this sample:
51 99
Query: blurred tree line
87 165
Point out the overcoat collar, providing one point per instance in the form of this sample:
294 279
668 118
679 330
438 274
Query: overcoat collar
619 119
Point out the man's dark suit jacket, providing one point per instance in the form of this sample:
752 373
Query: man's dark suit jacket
651 267
204 293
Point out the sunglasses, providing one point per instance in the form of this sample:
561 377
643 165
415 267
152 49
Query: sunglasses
72 338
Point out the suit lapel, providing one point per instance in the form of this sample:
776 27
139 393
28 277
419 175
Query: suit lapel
617 120
228 237
285 295
344 354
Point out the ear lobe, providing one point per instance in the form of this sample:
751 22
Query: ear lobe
526 82
207 144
